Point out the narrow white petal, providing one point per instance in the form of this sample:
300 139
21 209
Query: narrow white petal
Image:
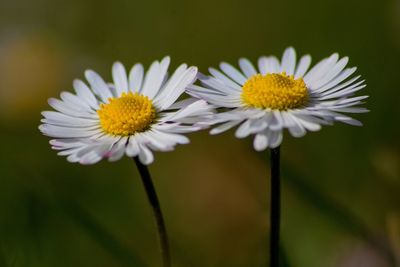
233 73
219 101
222 78
336 84
302 67
98 85
225 127
182 103
171 83
74 111
169 137
218 85
276 122
268 65
95 155
332 73
189 110
67 132
118 150
320 70
247 68
164 64
145 155
172 91
334 93
132 148
289 61
156 143
120 78
84 92
351 110
136 77
258 124
260 142
57 118
75 101
152 81
275 138
243 130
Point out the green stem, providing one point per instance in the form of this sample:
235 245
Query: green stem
155 204
275 207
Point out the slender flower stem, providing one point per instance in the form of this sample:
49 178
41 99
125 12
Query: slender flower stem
275 207
155 204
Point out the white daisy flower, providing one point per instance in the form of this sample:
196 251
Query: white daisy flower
134 115
281 94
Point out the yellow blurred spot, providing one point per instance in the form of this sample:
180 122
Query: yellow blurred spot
31 68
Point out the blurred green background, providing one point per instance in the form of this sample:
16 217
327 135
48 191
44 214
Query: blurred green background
341 195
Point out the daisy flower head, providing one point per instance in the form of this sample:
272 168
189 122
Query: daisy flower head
134 115
280 94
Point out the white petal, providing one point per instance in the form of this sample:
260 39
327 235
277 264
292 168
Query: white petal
320 70
98 85
95 155
75 101
257 125
260 142
332 73
349 120
176 128
268 65
132 148
169 138
72 158
287 119
57 118
164 64
145 155
218 85
83 91
233 73
67 132
118 150
190 110
303 66
173 90
276 122
74 111
338 92
351 110
243 130
247 68
275 138
182 103
222 78
152 81
296 129
156 143
224 127
308 122
336 81
289 61
120 78
136 77
219 101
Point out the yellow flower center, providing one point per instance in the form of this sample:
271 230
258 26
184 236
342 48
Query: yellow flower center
274 91
126 115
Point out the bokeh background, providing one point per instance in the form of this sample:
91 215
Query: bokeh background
341 195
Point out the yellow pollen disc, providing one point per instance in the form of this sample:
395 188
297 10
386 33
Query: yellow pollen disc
274 91
126 115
